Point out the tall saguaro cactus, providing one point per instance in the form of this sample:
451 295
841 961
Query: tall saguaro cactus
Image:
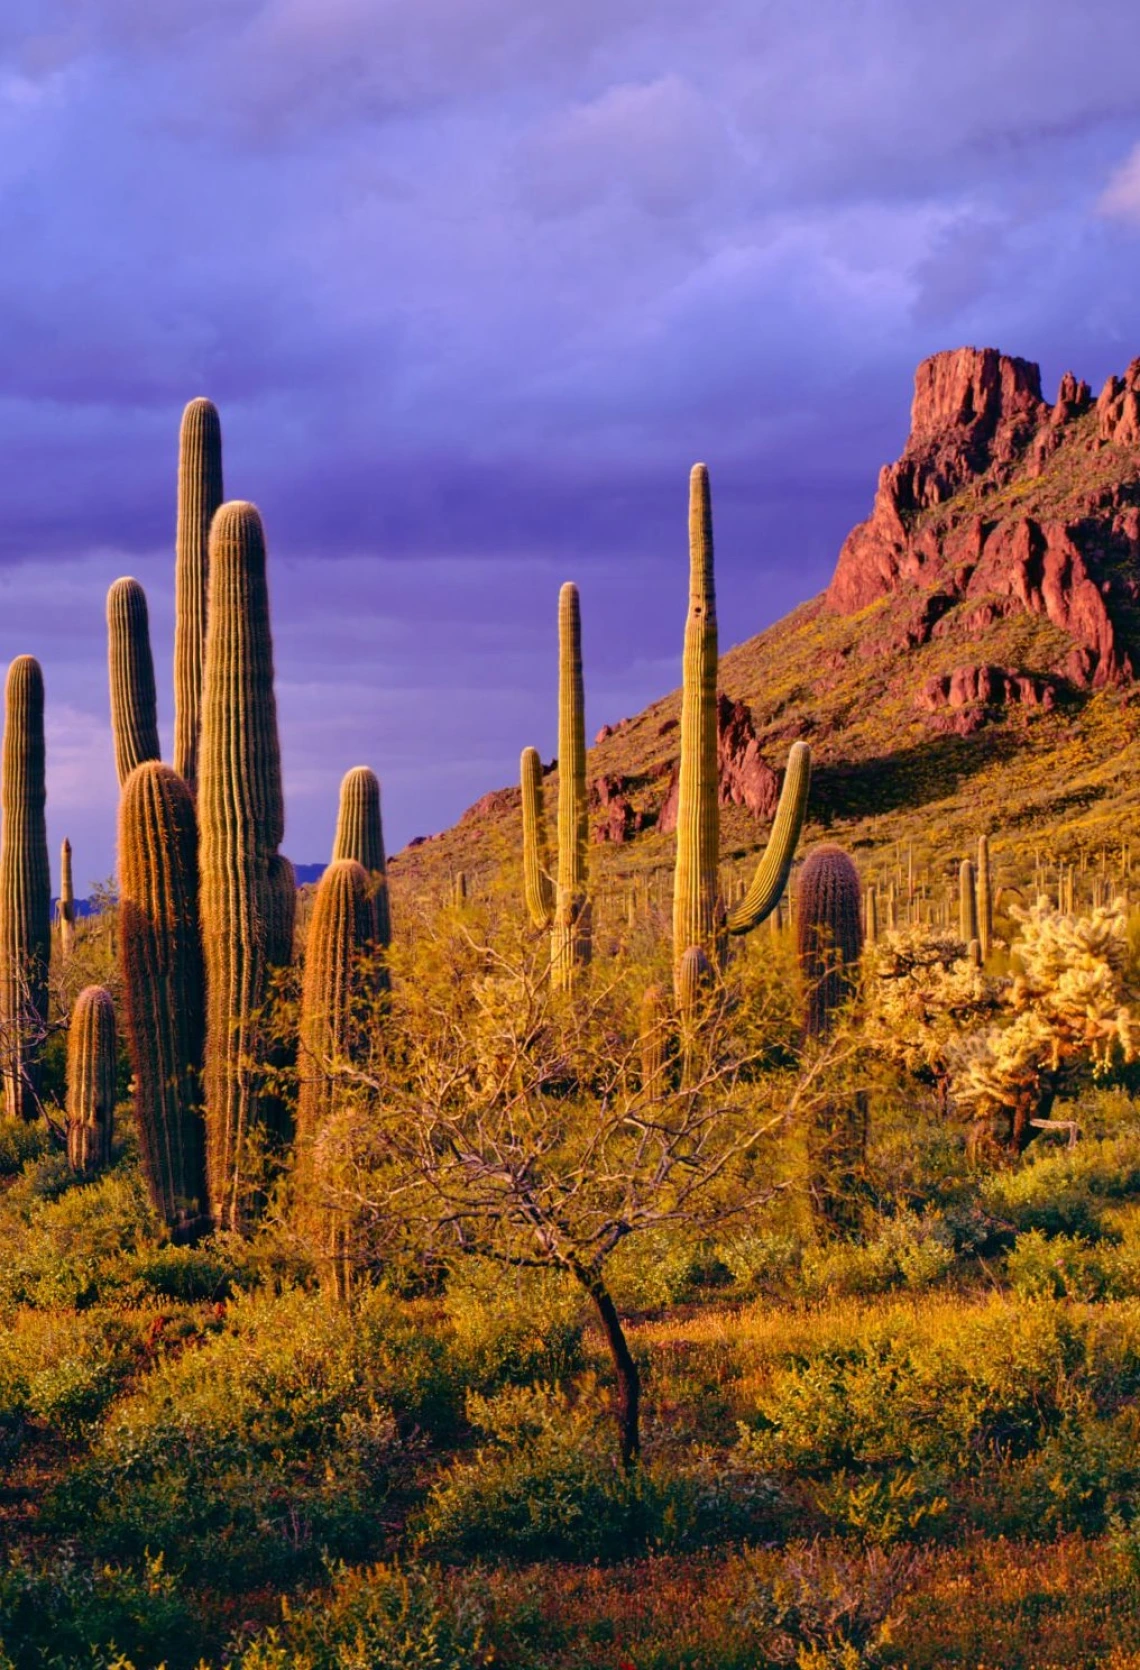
91 1081
698 909
199 495
537 883
134 705
571 934
331 1033
25 888
241 823
360 836
967 903
66 902
985 898
160 954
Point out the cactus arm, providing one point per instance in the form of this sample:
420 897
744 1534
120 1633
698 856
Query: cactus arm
775 866
537 884
134 705
199 495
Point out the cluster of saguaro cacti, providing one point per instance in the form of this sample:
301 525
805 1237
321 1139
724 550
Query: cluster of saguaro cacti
25 889
341 940
91 1081
699 916
247 893
163 989
564 906
134 704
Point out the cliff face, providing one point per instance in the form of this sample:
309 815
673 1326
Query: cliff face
1002 504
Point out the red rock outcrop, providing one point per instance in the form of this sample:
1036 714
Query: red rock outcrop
979 426
620 818
746 778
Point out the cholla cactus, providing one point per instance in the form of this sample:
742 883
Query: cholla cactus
1070 1006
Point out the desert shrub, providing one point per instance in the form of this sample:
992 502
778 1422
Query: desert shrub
244 1459
58 1614
758 1260
402 1618
1085 1475
512 1326
60 1369
190 1274
1065 1192
664 1267
1057 1266
21 1141
71 1244
905 1253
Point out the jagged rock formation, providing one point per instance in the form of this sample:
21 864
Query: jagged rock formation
999 505
746 778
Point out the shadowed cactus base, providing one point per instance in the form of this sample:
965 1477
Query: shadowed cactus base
163 989
91 1080
25 889
134 704
246 918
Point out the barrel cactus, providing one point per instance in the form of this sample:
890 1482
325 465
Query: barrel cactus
160 955
25 889
134 705
829 934
91 1081
199 496
243 881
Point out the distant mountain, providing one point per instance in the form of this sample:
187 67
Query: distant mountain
972 665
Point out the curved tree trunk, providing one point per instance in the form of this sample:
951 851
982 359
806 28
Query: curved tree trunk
625 1368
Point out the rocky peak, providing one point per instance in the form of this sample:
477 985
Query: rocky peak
1004 501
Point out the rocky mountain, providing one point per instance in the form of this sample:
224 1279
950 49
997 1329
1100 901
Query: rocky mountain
972 665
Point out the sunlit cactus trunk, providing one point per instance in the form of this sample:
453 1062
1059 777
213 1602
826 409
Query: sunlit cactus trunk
246 903
967 903
570 939
360 836
334 1018
91 1081
985 898
871 914
134 704
25 889
698 914
537 883
199 495
160 955
66 902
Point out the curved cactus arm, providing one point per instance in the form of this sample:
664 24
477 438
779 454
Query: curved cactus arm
537 883
775 866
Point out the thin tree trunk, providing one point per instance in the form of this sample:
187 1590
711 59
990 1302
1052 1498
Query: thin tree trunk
628 1378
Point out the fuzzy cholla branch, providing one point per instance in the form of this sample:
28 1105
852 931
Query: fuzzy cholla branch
923 996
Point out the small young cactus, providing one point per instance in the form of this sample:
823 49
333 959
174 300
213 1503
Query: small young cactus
134 706
985 898
160 954
871 915
66 902
199 495
967 903
829 933
360 835
25 889
570 938
91 1081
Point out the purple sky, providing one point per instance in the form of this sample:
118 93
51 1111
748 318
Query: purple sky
473 283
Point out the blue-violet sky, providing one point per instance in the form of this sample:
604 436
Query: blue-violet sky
473 283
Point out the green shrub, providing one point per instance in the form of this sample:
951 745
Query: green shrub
189 1274
512 1327
1052 1267
905 1253
60 1614
1065 1192
71 1243
59 1370
22 1141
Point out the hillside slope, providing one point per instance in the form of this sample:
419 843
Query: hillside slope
971 667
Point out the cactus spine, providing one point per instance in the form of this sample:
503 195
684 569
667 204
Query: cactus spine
571 932
698 910
967 903
134 706
360 835
829 934
25 888
985 898
160 955
537 883
241 822
199 495
331 1033
91 1080
66 902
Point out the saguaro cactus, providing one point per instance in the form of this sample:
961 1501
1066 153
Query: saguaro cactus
967 903
199 495
66 902
160 955
871 914
571 933
134 706
698 909
241 822
655 1039
25 888
985 898
829 933
332 1032
91 1081
537 882
360 836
